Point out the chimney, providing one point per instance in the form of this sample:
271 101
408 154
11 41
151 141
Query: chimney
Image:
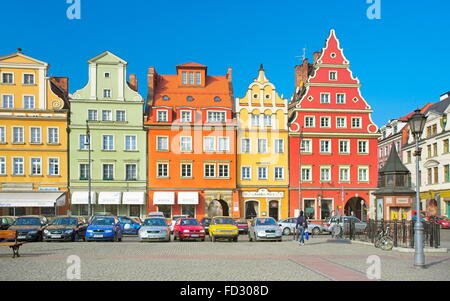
445 96
301 73
133 82
63 83
316 56
230 74
151 80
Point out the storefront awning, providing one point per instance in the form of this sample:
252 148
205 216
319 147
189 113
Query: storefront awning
188 198
82 198
163 198
133 198
30 199
109 198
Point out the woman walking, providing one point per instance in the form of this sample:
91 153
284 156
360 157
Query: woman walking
302 225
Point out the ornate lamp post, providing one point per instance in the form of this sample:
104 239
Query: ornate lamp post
88 142
416 124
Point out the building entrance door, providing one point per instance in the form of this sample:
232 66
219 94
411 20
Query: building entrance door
273 209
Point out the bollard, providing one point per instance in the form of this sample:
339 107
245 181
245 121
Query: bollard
411 231
395 233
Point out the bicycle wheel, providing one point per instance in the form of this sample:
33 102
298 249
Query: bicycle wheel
386 243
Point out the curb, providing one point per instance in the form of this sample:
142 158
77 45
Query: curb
404 250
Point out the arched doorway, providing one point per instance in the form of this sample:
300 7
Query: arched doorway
218 208
273 209
353 208
251 209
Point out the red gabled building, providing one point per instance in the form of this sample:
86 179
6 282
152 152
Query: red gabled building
330 117
191 143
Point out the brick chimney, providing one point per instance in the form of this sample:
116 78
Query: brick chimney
301 73
62 82
151 83
230 74
316 56
133 82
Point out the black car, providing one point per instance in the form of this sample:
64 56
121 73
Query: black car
65 228
206 221
29 228
6 222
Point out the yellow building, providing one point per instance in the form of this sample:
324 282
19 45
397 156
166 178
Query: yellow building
33 138
263 174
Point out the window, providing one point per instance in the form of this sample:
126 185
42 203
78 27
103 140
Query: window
262 146
279 146
446 149
17 166
310 121
7 102
92 115
210 170
106 115
340 98
130 172
35 135
53 136
246 173
436 175
326 209
446 173
434 149
344 147
408 157
255 120
262 173
84 142
53 166
121 116
186 116
107 75
224 171
344 174
108 142
186 170
356 122
7 78
162 143
363 175
2 134
198 78
224 144
306 174
191 78
306 146
36 166
363 147
209 144
84 172
325 146
325 122
18 135
108 172
267 120
106 93
245 145
324 98
184 78
341 122
28 79
130 143
279 173
2 166
310 209
215 117
162 116
186 144
333 75
28 102
188 210
325 174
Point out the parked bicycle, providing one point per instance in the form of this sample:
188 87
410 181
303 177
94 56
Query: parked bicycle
383 240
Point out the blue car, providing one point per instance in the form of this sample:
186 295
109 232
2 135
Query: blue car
129 226
104 228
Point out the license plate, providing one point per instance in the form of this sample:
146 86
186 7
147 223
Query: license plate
270 235
195 235
21 237
98 235
56 236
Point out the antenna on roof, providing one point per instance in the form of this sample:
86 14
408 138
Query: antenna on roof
303 56
19 50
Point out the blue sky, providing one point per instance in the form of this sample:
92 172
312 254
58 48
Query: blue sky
401 59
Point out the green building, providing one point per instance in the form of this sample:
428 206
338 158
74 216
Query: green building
111 109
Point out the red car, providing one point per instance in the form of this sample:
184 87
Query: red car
242 225
441 220
188 228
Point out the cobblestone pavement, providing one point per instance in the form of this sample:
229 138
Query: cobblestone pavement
320 259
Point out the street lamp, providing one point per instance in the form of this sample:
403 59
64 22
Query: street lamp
88 143
416 124
301 148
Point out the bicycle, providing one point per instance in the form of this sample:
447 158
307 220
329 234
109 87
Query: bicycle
383 240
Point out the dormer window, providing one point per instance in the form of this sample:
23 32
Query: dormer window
161 116
217 99
184 78
107 75
166 98
191 78
333 75
216 116
198 78
190 98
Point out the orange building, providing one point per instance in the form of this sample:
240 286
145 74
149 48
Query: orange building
191 143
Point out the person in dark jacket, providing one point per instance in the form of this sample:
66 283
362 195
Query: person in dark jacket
302 225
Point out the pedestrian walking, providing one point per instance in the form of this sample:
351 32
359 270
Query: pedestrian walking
302 226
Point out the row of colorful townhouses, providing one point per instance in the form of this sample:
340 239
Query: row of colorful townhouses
191 147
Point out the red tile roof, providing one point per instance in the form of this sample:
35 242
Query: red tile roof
422 110
192 65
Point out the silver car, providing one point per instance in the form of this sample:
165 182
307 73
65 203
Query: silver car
288 226
344 222
264 228
154 229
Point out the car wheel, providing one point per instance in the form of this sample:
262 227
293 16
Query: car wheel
286 231
316 231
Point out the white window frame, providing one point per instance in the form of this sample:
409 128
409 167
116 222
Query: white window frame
322 100
167 170
329 146
183 140
277 142
333 72
158 149
13 165
40 166
227 144
85 145
219 165
24 103
366 142
184 120
31 134
309 143
325 118
3 165
13 80
344 98
166 115
103 143
214 170
190 170
255 120
282 173
124 115
359 121
28 73
110 115
113 171
49 168
309 168
322 180
87 168
313 118
243 150
3 134
341 180
94 111
267 120
22 140
135 149
348 146
249 173
341 118
206 144
48 135
136 169
105 95
209 118
266 146
266 173
12 101
366 168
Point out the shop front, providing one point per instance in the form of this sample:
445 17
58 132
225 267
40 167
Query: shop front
220 203
31 203
173 203
264 202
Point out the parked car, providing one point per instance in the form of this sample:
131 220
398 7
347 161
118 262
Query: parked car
103 228
264 228
206 221
154 228
423 216
174 220
344 222
288 226
65 228
156 214
129 225
29 228
443 221
223 227
188 228
6 222
242 225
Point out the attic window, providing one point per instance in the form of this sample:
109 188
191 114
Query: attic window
255 96
190 98
165 97
267 96
333 55
217 99
107 75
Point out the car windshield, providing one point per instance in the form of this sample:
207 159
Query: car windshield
190 222
125 220
27 221
266 222
103 221
177 217
65 221
224 221
206 222
155 222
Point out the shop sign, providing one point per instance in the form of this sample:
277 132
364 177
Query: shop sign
263 193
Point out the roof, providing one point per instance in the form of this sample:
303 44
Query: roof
439 107
394 164
422 110
191 64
